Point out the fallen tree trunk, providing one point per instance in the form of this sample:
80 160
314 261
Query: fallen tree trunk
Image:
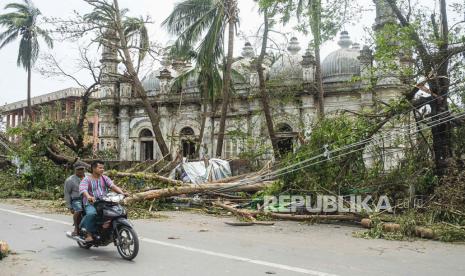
150 176
249 214
422 232
190 189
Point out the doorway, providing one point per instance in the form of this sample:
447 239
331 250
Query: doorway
285 139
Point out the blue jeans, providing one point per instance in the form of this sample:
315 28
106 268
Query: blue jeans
76 205
88 221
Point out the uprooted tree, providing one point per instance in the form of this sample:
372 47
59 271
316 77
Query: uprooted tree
72 136
110 26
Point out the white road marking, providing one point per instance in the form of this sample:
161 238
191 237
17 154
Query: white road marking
238 258
192 249
35 217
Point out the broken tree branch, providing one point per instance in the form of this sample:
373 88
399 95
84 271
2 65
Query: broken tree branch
348 217
148 176
250 215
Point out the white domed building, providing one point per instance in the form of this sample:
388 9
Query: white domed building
126 128
290 83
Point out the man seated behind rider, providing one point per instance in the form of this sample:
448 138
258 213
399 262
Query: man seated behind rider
72 197
93 187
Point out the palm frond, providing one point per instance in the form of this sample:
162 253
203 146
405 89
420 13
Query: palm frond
211 48
102 12
236 75
13 19
193 33
136 28
21 8
8 32
45 36
182 79
24 53
200 25
186 13
10 38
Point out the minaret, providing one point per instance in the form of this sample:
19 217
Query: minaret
165 76
388 87
108 125
384 14
366 67
308 66
384 17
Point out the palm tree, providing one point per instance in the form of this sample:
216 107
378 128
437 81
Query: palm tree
204 22
23 23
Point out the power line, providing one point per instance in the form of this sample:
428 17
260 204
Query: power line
405 112
344 154
359 143
277 174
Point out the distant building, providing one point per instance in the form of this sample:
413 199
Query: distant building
60 105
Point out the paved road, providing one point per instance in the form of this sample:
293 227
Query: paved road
193 244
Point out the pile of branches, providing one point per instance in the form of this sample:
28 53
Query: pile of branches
175 187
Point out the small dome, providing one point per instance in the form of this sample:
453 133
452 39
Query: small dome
288 66
151 82
243 65
247 51
342 65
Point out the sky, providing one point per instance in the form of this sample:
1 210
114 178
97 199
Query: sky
13 79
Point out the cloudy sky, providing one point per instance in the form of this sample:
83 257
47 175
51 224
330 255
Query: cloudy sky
13 79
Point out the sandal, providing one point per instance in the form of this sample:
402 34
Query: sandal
89 239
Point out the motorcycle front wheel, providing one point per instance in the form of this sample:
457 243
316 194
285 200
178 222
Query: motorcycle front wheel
128 244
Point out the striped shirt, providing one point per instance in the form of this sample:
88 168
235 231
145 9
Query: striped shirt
95 187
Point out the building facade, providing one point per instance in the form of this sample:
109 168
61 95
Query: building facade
59 105
123 126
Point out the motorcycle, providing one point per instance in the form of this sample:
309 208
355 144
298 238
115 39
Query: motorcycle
113 226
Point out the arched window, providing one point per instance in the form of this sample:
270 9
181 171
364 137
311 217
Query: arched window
187 131
146 145
187 142
283 127
146 133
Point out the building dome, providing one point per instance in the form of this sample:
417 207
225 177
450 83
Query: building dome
342 65
288 66
151 82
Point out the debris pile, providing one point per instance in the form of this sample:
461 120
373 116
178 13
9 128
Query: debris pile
210 185
4 249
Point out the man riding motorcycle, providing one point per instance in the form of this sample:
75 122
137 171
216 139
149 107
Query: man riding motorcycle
93 187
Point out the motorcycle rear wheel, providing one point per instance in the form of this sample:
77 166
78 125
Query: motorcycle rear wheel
128 244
